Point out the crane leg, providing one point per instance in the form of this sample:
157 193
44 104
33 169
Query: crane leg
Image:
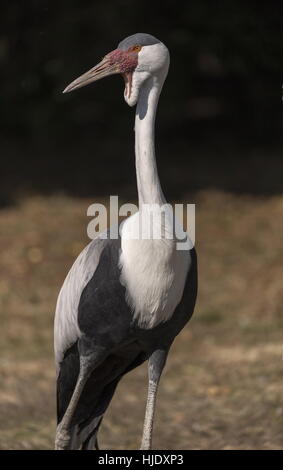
155 366
63 434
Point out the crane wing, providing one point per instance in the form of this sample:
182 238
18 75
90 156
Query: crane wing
66 329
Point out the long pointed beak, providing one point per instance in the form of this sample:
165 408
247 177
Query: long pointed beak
101 70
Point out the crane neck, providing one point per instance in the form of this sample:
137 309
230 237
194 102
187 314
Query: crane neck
149 188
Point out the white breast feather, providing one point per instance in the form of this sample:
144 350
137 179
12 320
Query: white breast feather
153 272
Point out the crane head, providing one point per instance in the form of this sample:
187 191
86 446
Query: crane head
137 58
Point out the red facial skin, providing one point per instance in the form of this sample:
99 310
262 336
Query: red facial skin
126 60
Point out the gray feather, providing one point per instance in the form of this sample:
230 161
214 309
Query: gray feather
66 330
141 39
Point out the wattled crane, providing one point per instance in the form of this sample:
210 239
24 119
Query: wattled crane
124 300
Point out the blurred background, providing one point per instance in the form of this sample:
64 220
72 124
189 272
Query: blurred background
219 145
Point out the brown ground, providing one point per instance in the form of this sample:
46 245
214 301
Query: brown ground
223 384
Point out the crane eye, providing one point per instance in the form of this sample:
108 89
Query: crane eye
135 48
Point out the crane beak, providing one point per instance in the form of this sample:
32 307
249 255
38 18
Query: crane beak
101 70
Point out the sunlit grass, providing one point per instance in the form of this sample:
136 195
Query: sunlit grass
222 387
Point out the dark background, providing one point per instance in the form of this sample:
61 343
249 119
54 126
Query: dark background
220 116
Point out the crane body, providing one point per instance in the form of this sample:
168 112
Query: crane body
125 300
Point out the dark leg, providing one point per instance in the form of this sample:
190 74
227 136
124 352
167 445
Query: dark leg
91 443
155 366
107 393
87 365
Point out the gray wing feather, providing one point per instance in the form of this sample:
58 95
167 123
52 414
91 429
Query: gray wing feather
66 329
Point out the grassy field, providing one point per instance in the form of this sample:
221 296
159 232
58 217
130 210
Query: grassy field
223 384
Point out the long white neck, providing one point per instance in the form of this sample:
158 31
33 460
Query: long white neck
149 189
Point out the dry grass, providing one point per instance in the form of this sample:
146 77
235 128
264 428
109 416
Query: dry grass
223 386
